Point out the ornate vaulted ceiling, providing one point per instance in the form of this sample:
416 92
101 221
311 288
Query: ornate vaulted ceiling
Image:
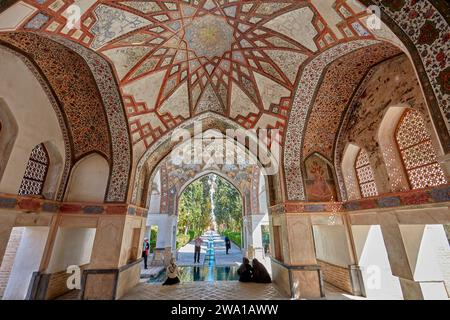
177 59
286 64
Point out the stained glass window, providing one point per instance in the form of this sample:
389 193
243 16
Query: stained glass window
366 179
417 152
35 172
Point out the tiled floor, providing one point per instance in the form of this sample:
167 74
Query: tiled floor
220 290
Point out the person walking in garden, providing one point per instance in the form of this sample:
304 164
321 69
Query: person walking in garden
227 244
198 246
145 250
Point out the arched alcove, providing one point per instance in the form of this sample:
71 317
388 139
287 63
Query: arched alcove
88 180
348 172
8 134
29 120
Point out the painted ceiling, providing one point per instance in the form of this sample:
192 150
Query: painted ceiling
256 63
177 59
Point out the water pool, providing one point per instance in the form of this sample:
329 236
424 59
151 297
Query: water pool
201 273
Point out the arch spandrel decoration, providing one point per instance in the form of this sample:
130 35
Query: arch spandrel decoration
424 30
264 34
174 175
302 101
68 146
156 153
119 134
93 114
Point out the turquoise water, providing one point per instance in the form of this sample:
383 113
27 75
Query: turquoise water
208 272
201 273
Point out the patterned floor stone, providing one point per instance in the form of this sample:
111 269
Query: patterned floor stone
220 290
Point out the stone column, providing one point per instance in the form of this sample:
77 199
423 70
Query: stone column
7 221
398 257
247 244
299 273
380 172
117 240
257 241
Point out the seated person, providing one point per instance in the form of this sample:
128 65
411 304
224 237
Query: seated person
172 273
245 271
260 273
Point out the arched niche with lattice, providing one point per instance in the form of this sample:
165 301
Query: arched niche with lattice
36 172
417 152
358 174
365 176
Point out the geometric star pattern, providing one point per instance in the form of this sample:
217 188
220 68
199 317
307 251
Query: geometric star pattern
178 59
244 60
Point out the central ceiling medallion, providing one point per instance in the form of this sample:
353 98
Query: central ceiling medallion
209 36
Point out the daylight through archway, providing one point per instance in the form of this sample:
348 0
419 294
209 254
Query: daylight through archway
315 135
209 238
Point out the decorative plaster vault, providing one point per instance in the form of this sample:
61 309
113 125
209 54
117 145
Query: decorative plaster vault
259 63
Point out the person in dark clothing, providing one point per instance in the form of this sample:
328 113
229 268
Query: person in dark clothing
260 273
145 250
245 271
197 250
227 244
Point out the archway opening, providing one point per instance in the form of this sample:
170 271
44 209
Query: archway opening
210 222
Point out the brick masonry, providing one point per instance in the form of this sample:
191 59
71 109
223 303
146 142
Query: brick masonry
57 285
336 275
8 259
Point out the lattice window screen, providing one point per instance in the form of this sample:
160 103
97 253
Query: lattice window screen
417 152
364 173
35 172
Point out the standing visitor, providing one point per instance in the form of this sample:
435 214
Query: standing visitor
145 250
172 273
227 244
198 245
245 271
260 273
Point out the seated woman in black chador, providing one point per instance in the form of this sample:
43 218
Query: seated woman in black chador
245 271
172 273
260 273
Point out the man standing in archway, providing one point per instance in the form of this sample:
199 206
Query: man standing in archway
198 245
227 243
145 250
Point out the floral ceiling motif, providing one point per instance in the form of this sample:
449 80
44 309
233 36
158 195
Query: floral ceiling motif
257 63
334 95
178 59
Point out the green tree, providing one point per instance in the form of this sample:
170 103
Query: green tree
227 207
194 211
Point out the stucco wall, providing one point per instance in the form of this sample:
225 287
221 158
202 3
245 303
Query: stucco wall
34 114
